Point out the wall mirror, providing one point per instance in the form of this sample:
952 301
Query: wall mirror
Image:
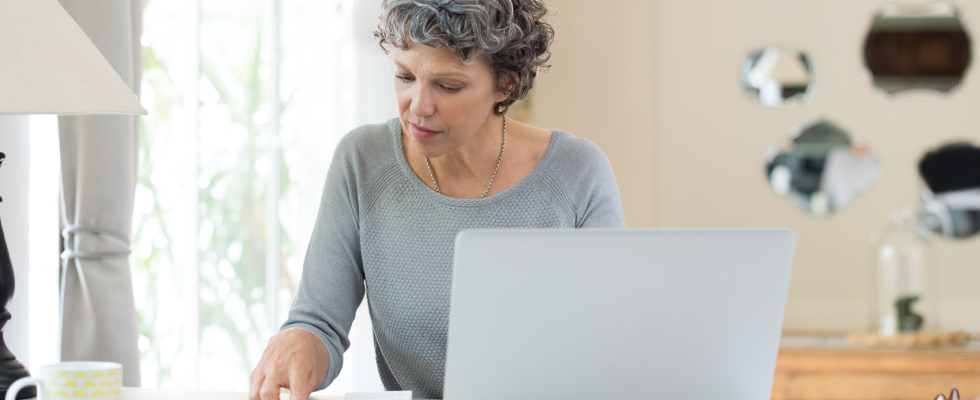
917 47
821 169
951 198
778 77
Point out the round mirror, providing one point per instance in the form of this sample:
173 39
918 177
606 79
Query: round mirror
778 77
917 47
951 199
821 169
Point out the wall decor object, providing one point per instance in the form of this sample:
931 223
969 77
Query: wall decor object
917 47
778 77
950 201
821 169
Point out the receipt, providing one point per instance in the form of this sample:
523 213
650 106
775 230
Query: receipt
402 395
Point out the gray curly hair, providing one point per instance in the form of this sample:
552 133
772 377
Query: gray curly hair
510 34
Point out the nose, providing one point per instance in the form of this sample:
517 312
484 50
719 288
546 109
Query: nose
422 103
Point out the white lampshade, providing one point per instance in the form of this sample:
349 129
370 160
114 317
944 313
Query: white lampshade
49 66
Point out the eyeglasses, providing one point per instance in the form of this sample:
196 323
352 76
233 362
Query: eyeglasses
954 395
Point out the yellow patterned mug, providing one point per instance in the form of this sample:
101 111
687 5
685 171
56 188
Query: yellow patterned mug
73 380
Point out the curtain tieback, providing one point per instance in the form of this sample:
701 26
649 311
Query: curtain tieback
69 254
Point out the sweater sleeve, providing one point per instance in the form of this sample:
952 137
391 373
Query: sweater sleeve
332 284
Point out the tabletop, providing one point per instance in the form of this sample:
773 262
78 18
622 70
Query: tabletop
827 366
172 394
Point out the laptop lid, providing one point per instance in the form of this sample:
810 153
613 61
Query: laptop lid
625 314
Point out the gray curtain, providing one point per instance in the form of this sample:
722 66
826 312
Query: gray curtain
98 182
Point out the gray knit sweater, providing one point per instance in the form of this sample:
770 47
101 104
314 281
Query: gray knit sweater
383 231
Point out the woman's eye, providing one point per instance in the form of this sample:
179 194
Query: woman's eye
451 89
403 78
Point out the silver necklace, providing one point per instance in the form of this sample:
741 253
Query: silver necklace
500 157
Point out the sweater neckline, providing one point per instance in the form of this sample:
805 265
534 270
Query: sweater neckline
395 128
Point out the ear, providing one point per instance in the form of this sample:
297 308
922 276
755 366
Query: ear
506 85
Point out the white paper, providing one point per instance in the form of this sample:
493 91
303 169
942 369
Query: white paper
402 395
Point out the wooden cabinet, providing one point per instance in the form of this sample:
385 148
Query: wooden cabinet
829 369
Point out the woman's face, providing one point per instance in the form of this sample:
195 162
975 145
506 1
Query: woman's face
444 104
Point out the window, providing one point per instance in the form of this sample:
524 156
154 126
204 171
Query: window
247 100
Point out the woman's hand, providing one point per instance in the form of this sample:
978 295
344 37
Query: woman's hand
294 359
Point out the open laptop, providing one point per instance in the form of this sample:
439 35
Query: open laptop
616 314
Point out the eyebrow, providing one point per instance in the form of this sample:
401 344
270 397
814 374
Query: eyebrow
449 74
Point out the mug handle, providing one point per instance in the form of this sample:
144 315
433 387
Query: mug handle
20 383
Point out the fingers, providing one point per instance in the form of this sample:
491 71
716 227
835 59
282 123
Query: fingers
290 362
270 390
273 378
298 390
298 395
257 378
255 383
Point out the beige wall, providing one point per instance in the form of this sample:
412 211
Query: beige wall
600 86
655 84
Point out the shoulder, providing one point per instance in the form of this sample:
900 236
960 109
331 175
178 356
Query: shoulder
587 179
363 157
574 155
367 141
367 148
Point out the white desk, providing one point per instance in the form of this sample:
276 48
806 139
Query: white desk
171 394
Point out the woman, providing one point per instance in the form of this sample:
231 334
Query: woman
398 193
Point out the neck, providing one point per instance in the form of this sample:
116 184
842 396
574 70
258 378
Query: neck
474 162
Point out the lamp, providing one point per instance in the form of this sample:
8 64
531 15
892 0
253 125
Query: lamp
48 66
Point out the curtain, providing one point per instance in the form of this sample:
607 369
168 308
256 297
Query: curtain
98 180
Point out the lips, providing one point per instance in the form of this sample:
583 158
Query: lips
421 133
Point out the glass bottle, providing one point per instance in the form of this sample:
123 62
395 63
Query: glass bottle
905 268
